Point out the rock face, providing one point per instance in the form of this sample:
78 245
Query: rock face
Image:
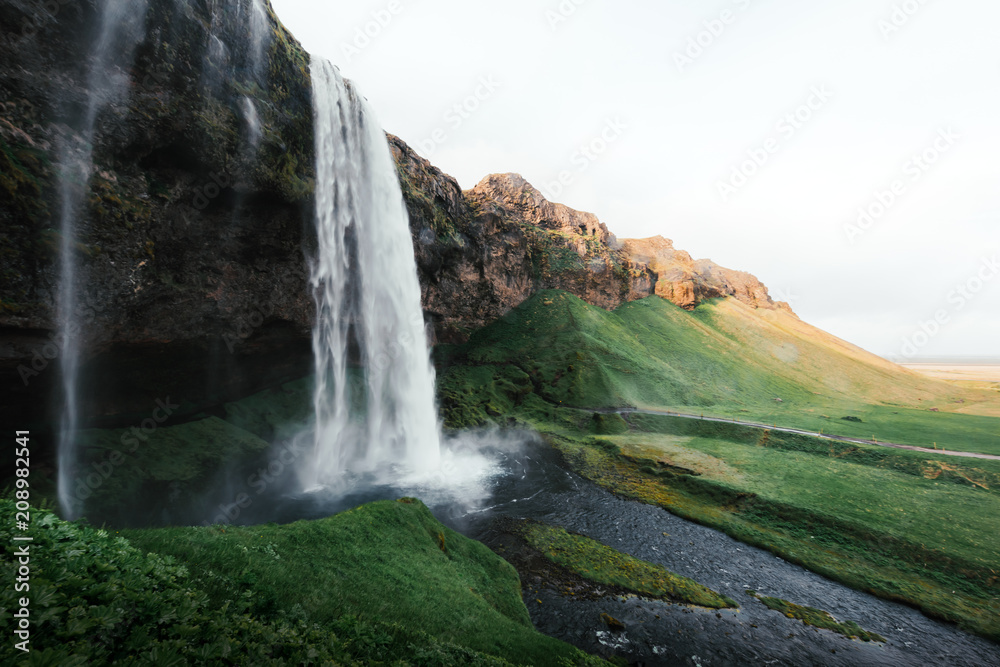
484 251
190 245
196 228
687 282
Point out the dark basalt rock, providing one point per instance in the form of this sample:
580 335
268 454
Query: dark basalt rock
197 229
192 246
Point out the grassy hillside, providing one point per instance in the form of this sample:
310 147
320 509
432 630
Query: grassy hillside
723 359
386 562
384 583
902 525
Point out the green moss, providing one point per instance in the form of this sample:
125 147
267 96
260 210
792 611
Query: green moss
818 618
271 595
551 253
23 177
432 212
139 468
601 564
814 516
21 170
274 414
475 395
381 563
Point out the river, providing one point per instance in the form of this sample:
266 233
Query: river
529 482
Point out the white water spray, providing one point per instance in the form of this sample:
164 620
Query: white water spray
238 41
367 298
252 119
254 14
122 26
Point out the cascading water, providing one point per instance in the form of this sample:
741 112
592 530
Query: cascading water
254 15
237 46
367 298
252 119
122 26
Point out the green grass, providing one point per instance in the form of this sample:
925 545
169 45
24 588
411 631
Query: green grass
724 359
129 474
95 598
386 562
933 503
908 526
984 473
601 564
869 521
818 618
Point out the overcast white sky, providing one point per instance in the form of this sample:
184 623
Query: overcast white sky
561 74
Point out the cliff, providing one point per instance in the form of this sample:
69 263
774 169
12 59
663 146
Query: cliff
484 251
196 224
190 242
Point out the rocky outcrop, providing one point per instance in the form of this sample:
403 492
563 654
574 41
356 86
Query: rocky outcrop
474 263
196 224
525 203
191 240
687 282
483 251
569 250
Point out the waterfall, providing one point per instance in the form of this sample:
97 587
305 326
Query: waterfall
122 25
253 14
252 119
364 280
238 40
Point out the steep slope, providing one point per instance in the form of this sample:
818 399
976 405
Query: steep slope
190 243
483 251
723 358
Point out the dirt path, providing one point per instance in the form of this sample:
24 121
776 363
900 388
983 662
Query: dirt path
839 438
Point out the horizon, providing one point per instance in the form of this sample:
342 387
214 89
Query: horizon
855 169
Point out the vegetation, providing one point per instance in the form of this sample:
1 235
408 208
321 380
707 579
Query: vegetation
897 535
724 359
908 526
272 595
386 562
818 618
602 564
133 475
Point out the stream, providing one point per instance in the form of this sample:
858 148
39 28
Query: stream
529 482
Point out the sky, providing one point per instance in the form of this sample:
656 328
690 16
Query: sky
843 152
